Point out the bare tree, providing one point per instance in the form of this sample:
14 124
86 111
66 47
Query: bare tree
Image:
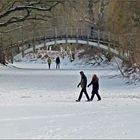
96 12
18 11
13 11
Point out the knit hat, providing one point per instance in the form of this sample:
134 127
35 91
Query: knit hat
81 72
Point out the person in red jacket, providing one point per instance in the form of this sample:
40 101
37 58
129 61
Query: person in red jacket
95 87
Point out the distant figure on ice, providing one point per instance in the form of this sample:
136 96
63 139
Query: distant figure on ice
83 84
95 87
49 62
57 61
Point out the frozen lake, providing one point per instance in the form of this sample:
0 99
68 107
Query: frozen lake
41 104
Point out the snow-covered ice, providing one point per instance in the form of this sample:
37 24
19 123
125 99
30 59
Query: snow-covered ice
41 104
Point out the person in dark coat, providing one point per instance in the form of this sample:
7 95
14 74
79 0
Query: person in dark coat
57 61
83 84
95 87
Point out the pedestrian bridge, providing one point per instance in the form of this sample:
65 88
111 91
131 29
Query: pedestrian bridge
20 43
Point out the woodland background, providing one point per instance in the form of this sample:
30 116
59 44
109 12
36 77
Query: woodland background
120 17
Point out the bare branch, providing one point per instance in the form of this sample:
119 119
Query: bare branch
16 19
29 6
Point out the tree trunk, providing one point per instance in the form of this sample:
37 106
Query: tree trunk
2 58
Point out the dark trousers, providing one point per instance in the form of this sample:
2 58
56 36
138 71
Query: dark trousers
81 93
49 65
57 66
97 94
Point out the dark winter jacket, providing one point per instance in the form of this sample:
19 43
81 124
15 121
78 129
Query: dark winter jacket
57 60
95 85
83 81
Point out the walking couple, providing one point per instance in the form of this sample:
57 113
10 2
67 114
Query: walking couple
95 87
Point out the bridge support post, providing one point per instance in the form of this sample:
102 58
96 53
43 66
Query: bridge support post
88 39
44 40
45 44
119 45
34 47
77 36
1 39
55 34
66 34
22 52
98 35
109 42
11 56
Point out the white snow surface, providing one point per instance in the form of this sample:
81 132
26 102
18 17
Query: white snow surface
37 103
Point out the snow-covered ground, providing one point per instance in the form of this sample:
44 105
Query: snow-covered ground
31 61
40 103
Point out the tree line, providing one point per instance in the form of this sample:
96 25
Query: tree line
120 17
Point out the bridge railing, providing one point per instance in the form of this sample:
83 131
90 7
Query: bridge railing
19 36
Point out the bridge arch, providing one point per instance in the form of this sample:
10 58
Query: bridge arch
75 41
99 39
